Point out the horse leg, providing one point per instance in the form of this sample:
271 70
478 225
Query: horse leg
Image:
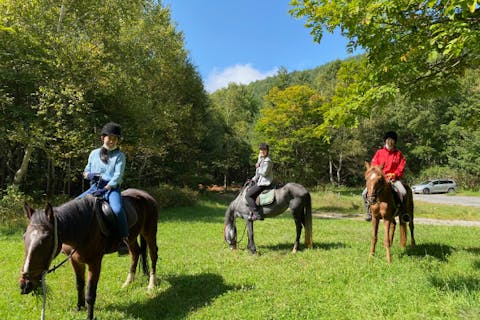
391 234
374 235
91 295
411 227
79 269
386 238
297 216
251 242
134 254
403 234
153 251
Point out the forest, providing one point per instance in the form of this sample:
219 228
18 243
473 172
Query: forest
68 67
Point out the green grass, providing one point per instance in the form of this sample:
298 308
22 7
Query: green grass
200 278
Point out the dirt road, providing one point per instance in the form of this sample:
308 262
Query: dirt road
448 199
431 198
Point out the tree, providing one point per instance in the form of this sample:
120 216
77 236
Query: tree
407 43
237 108
288 123
416 49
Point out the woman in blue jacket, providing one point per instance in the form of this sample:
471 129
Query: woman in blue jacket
105 169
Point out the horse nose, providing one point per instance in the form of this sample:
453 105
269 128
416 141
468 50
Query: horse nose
26 286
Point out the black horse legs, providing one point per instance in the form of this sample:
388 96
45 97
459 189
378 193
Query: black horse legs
251 242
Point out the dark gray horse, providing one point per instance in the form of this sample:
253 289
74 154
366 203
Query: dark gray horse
291 195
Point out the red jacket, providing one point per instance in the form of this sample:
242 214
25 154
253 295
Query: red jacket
393 161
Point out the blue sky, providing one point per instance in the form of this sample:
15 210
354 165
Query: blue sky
248 40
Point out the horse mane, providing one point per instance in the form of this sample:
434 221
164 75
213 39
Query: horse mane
76 215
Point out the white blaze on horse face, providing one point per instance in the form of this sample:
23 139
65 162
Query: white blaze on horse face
373 176
34 237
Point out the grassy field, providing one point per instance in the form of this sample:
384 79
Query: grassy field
200 278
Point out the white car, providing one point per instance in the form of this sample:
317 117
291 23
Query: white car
435 186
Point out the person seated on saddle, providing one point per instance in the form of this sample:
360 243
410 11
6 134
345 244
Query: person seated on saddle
105 169
393 163
262 180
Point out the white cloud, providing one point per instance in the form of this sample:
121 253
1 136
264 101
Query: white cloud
240 74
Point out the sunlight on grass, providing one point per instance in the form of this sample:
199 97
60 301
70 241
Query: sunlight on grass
199 277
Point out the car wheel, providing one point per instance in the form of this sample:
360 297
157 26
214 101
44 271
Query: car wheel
451 190
426 191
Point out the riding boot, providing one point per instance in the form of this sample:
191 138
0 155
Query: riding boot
368 215
255 215
123 247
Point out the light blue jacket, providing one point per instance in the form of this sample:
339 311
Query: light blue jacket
111 171
264 173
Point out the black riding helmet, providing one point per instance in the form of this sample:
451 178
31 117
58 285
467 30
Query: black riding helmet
263 146
390 134
112 129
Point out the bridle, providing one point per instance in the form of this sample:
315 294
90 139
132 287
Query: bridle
372 198
55 251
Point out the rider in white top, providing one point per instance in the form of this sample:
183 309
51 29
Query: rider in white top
263 178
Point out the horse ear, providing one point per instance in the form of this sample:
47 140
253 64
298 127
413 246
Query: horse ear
28 210
367 165
382 165
49 211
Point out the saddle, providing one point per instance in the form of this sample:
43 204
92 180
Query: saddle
107 220
265 198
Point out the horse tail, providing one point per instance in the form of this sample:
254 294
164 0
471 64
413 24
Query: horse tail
307 220
143 255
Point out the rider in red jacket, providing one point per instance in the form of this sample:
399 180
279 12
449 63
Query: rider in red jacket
393 163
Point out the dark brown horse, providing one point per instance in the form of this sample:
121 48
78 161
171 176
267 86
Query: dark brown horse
381 200
73 229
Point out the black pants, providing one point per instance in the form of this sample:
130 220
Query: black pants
252 195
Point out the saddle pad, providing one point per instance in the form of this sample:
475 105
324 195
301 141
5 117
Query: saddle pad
266 197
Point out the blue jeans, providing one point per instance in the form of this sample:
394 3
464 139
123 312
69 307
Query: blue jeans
114 198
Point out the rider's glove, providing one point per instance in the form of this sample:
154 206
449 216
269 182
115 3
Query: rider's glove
391 176
99 192
94 177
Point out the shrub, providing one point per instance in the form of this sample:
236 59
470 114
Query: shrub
11 204
169 196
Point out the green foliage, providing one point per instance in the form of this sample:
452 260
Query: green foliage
11 204
288 123
407 43
68 68
169 196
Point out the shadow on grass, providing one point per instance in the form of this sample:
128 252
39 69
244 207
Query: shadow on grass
459 283
475 250
186 294
476 265
316 246
439 251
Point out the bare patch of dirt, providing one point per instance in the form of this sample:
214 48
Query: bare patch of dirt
427 221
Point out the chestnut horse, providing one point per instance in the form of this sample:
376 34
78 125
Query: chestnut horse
291 196
380 197
74 229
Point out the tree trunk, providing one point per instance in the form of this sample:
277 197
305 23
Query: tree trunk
339 169
330 170
22 172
